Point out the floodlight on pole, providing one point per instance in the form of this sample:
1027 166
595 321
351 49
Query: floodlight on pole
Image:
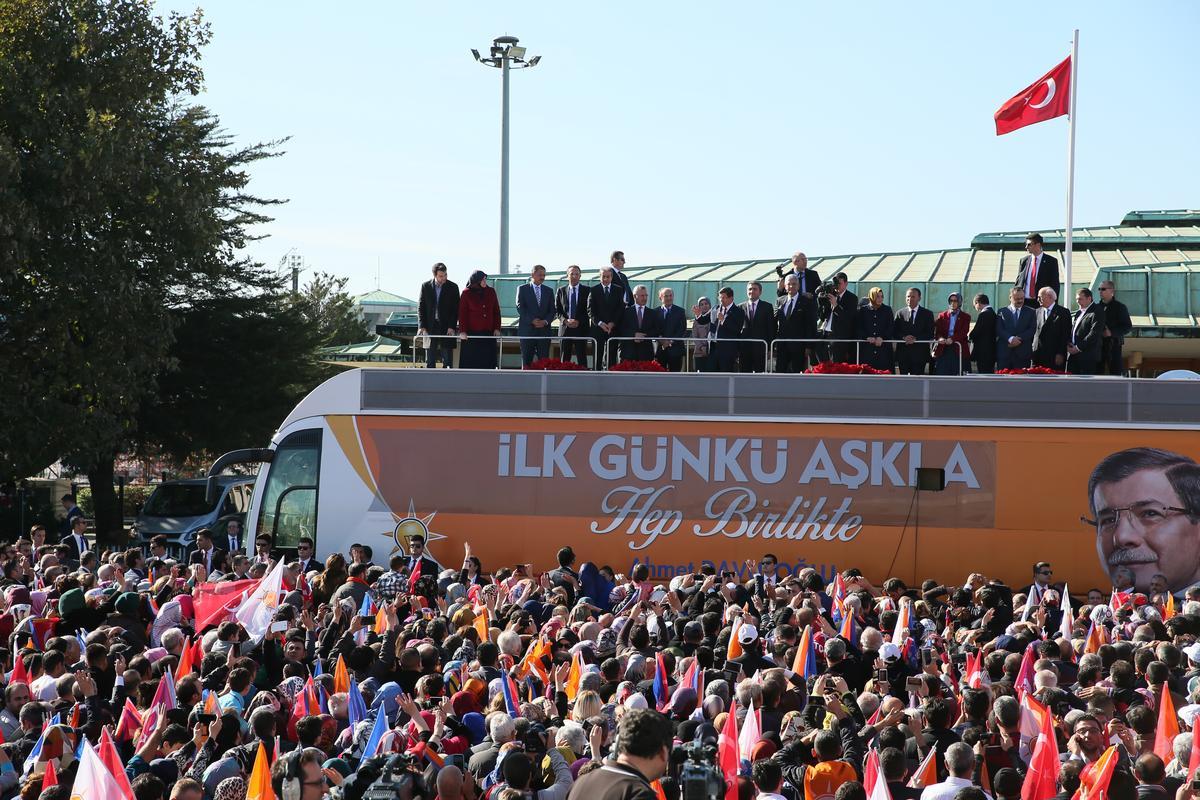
505 55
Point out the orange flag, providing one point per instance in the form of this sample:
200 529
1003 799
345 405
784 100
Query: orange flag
259 785
341 676
735 647
1168 726
1095 778
658 790
573 677
1169 609
185 661
380 622
926 774
483 626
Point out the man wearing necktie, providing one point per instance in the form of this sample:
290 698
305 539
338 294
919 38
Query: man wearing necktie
571 308
437 315
760 324
233 533
795 318
76 540
641 325
418 565
535 310
1037 269
606 307
206 553
672 328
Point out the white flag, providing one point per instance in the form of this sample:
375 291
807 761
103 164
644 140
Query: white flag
1065 606
258 610
93 778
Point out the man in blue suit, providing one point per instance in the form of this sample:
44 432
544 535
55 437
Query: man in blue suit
535 311
672 324
1016 325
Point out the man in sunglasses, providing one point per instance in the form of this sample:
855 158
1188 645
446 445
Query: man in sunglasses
1145 505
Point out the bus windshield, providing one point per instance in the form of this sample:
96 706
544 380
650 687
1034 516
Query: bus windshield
178 500
289 501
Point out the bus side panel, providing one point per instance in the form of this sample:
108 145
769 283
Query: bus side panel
675 495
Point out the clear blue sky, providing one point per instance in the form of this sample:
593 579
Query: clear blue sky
696 131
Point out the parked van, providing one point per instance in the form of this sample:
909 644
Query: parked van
177 509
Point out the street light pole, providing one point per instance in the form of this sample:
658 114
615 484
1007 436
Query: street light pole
506 55
504 166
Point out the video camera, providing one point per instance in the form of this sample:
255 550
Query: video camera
699 776
399 778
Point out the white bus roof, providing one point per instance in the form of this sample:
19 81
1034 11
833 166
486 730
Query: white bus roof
1030 401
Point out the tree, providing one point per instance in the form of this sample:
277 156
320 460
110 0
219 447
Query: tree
238 366
332 311
120 204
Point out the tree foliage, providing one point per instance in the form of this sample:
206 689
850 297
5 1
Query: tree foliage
330 309
124 211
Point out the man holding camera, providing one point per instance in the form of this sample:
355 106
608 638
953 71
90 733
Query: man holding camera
839 307
809 280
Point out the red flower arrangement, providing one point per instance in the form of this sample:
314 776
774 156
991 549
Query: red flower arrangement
839 368
554 364
637 366
1030 371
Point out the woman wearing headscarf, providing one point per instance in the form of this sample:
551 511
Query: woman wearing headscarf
701 325
593 585
875 320
231 789
478 316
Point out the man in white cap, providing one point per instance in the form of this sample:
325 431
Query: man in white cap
751 660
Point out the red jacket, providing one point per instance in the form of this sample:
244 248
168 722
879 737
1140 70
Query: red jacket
478 311
941 330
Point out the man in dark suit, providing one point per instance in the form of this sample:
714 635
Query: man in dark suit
76 541
1117 325
809 280
571 308
914 325
1038 269
795 318
1052 332
728 321
841 320
419 565
206 553
1015 326
305 552
983 336
641 324
233 535
606 306
437 315
535 312
617 261
73 510
1087 333
672 325
760 324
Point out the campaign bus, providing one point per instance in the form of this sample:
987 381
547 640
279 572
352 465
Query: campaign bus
917 477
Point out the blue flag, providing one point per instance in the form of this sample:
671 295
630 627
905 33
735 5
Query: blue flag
357 707
317 671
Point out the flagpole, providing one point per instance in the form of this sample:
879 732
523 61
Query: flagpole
1067 247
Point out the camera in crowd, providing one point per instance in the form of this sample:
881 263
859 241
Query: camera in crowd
699 776
399 778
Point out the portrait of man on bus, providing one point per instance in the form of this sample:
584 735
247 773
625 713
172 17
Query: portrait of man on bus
1145 507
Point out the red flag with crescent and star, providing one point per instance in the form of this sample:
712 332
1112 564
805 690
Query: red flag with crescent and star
1046 98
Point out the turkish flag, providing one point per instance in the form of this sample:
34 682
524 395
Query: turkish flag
1046 98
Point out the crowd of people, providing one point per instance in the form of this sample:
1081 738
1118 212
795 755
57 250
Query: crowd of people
807 321
357 680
